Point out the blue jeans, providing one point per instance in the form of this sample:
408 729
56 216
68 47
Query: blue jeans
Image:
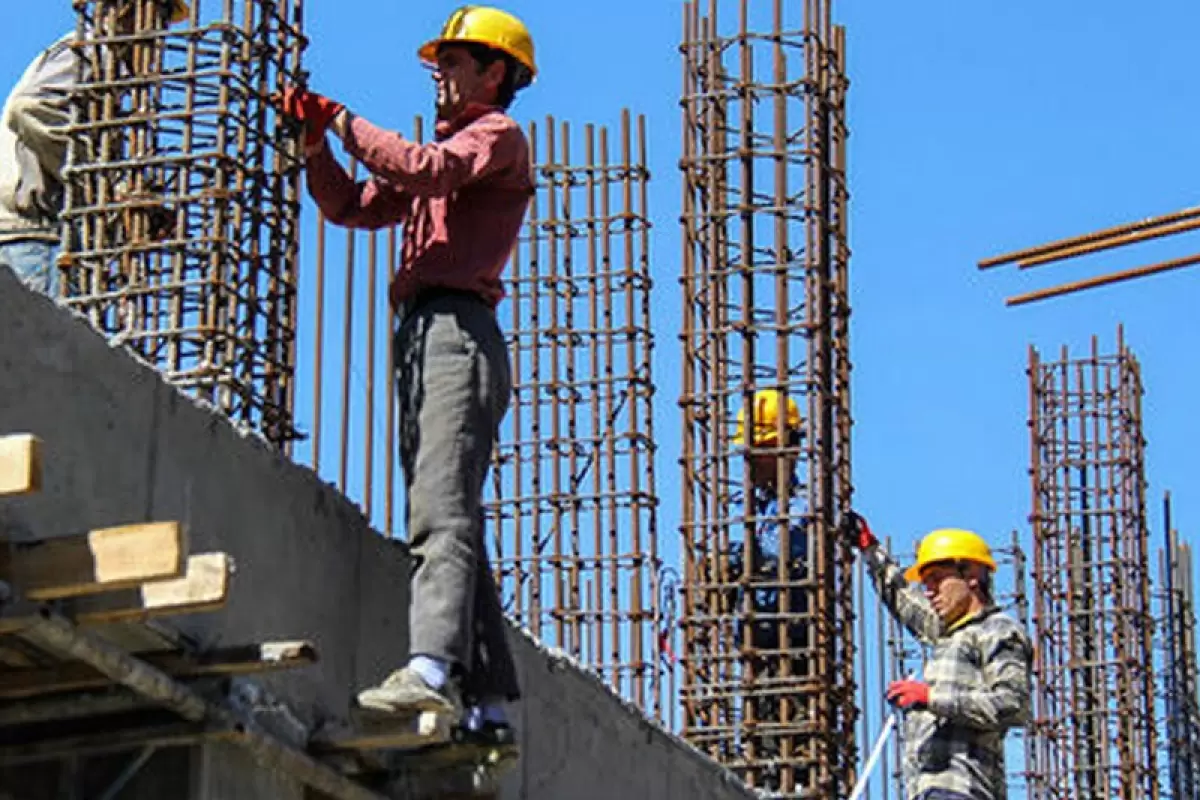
33 261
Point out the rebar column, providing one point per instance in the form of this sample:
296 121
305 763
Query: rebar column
765 306
182 197
572 511
1094 734
1178 645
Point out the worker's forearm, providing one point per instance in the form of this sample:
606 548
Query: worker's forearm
340 124
909 607
1001 700
433 169
331 188
995 708
367 204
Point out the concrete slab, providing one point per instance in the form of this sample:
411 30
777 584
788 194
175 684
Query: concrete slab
122 446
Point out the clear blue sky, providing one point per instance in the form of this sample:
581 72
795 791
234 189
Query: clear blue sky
976 127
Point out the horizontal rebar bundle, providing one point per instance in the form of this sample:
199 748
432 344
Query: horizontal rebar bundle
768 666
1118 236
1094 734
181 197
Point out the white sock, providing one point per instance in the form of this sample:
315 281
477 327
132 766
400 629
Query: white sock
473 719
433 671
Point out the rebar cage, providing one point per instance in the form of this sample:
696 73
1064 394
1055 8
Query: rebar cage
1094 733
573 509
181 196
768 687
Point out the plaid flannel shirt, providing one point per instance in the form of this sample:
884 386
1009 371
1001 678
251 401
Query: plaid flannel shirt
979 687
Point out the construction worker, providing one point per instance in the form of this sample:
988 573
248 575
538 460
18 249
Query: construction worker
760 638
462 199
976 684
33 148
767 458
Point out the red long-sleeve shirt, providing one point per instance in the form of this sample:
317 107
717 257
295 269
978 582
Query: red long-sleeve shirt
462 199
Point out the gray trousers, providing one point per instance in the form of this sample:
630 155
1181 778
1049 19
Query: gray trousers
455 383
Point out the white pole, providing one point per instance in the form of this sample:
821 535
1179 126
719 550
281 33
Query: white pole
876 752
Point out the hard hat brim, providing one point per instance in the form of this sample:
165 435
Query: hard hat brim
913 573
428 51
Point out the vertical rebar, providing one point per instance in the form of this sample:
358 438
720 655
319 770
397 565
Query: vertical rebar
572 490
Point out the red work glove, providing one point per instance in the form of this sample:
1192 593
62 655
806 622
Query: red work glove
908 693
314 110
859 531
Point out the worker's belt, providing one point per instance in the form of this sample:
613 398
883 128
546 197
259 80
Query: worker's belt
425 296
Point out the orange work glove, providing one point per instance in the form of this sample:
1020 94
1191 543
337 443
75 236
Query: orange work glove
314 110
908 693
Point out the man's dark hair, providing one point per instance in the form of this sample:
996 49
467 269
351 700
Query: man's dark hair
983 578
516 74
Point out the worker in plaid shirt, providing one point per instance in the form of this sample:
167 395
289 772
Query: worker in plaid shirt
976 684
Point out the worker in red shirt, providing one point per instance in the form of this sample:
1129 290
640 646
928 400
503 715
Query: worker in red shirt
462 201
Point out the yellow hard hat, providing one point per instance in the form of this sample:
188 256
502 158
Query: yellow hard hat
488 26
950 544
179 11
766 418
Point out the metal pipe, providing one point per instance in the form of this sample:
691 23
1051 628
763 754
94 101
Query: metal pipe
876 751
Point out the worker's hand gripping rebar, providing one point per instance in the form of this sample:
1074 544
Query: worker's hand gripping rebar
856 529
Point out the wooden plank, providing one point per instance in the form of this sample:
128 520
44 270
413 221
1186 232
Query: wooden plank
173 734
142 637
419 730
14 658
122 557
236 660
20 464
204 586
60 708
